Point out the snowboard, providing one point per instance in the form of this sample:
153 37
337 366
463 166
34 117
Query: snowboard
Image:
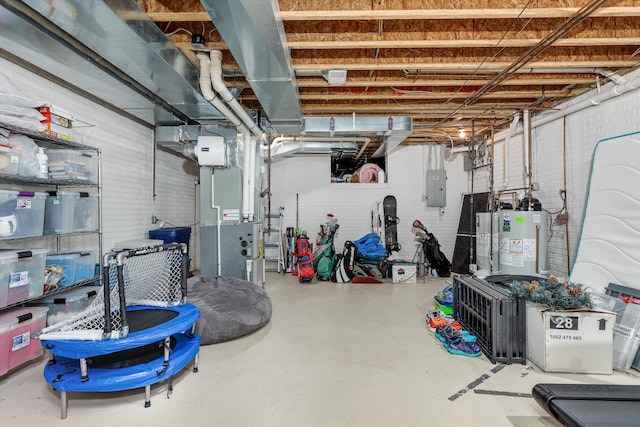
389 206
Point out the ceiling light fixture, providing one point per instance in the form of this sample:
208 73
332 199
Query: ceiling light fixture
461 133
197 41
335 77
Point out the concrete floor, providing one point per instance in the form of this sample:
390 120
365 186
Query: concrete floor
331 355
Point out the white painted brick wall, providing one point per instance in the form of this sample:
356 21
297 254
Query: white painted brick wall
127 153
176 198
352 203
127 167
584 129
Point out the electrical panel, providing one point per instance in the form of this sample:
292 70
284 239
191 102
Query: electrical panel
437 188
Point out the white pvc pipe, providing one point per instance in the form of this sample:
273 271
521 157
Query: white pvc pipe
526 124
507 151
247 128
226 95
252 177
246 172
249 268
209 94
617 89
218 226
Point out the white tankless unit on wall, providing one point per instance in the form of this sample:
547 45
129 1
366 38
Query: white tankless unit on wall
523 241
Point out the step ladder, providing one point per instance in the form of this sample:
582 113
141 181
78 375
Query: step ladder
273 241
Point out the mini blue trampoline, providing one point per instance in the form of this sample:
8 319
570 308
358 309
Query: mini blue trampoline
139 330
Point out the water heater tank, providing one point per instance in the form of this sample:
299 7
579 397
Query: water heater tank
523 241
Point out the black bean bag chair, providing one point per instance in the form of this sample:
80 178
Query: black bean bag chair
229 307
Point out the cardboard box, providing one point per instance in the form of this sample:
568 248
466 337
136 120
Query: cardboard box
57 115
579 341
58 122
403 273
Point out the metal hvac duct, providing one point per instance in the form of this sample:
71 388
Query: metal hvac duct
255 36
392 129
106 48
283 147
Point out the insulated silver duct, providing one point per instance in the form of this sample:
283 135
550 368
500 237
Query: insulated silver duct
283 147
254 34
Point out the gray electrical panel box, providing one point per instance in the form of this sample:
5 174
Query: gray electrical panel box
437 187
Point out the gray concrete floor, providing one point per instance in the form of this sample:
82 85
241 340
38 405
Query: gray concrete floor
331 355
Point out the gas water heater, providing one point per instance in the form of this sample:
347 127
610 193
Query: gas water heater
523 241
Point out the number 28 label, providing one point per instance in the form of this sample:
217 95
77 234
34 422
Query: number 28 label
563 322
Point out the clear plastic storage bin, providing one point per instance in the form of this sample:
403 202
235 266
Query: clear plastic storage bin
17 325
66 304
70 212
9 160
21 214
626 337
73 165
21 275
74 266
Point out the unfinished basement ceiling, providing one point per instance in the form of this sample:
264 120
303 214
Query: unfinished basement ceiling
446 64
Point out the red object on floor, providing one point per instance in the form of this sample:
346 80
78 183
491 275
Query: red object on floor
366 279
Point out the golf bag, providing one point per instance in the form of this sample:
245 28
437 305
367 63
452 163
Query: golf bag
344 270
303 260
324 258
431 249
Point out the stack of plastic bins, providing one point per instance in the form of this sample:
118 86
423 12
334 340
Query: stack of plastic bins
17 325
498 321
21 214
21 275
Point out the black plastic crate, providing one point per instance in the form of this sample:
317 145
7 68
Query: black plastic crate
498 321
